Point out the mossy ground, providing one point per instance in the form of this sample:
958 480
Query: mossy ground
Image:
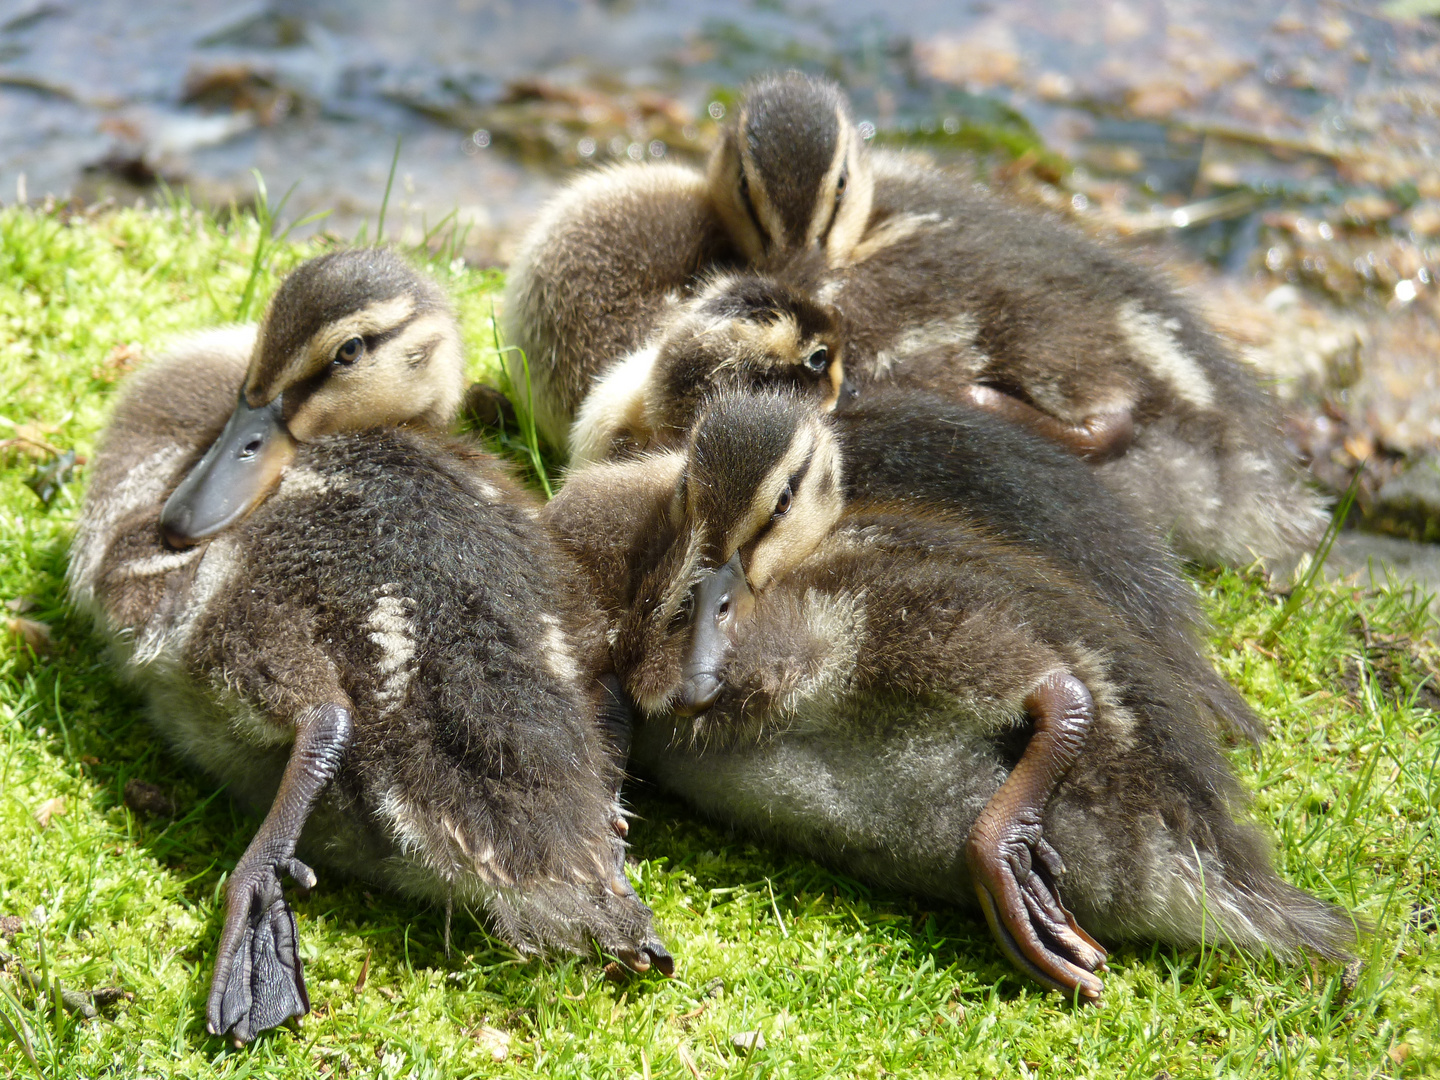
840 979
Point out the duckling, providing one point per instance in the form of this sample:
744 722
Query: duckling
1015 313
949 289
610 253
942 287
600 263
915 446
906 692
739 330
374 638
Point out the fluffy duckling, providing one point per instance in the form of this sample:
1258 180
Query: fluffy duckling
363 628
941 287
914 446
741 330
610 253
908 693
949 289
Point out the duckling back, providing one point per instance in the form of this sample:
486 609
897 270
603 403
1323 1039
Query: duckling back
954 289
926 451
592 274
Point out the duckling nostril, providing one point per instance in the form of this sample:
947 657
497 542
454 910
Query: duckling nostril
722 611
251 448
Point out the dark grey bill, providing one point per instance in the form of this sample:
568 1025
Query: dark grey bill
235 474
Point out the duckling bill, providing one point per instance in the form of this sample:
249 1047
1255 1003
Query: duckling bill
902 690
386 649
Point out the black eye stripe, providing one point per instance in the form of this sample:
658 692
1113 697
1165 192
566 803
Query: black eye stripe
749 205
835 208
796 478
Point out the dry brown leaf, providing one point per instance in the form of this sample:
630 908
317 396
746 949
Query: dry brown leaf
30 439
1124 23
1399 1053
34 634
48 809
1053 86
985 56
124 356
683 1052
1160 99
21 604
364 973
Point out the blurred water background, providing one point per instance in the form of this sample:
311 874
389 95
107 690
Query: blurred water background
1280 159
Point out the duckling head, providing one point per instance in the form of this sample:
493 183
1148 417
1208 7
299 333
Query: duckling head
759 491
351 341
741 331
790 173
748 332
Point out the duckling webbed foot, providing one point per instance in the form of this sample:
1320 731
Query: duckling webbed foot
259 981
486 406
631 938
1100 438
1013 865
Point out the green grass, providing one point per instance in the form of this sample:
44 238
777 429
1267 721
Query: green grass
841 979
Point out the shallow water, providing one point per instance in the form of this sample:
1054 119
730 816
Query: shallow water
1181 96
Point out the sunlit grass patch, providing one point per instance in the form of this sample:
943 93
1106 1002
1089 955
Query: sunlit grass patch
785 968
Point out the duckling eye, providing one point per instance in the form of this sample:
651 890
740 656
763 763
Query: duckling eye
782 504
840 187
818 360
350 351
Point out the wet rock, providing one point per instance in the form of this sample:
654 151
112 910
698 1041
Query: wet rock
1409 503
48 479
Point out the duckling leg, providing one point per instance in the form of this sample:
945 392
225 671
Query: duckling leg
617 720
258 982
1102 437
1011 860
